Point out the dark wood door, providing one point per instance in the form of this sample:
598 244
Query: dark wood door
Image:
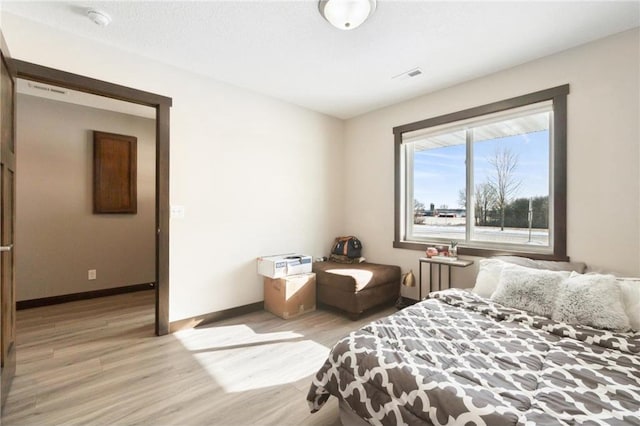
7 222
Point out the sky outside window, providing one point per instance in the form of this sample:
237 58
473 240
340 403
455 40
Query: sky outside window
439 173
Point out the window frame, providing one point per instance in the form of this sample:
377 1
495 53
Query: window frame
558 217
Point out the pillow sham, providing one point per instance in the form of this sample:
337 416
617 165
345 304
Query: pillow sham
631 299
488 277
490 269
591 299
551 265
532 290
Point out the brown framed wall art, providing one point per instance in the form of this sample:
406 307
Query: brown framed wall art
114 173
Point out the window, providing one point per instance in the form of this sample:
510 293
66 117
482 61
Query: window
492 178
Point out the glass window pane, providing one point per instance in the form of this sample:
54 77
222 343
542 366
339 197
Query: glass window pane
439 185
485 177
511 181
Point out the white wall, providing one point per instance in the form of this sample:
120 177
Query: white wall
603 155
58 238
259 176
256 176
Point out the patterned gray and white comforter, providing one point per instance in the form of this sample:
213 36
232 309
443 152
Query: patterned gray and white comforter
458 359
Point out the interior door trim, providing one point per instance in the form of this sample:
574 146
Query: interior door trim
162 104
8 369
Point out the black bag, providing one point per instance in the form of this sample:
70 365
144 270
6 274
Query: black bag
347 246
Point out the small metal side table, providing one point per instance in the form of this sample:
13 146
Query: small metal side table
458 263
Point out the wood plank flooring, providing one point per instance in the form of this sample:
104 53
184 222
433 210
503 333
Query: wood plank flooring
97 362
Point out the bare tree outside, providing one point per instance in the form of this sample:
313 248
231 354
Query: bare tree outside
485 200
503 181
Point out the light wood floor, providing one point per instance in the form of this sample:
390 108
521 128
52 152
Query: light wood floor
98 362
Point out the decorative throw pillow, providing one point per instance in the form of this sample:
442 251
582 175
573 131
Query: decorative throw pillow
532 290
490 269
488 277
631 299
591 299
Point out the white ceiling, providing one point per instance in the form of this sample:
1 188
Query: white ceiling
285 49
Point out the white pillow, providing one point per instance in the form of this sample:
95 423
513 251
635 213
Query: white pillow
591 299
490 269
532 290
551 265
631 298
488 277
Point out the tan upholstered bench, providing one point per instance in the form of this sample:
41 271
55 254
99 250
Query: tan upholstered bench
354 288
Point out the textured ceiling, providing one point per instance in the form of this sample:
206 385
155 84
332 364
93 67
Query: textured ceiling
285 49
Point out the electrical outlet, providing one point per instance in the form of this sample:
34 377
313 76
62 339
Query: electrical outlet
92 274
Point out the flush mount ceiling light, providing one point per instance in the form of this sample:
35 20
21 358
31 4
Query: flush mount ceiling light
99 17
346 14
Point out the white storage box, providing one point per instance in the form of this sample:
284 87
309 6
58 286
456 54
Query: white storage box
283 265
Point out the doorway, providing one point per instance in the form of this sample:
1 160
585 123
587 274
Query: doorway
78 251
161 104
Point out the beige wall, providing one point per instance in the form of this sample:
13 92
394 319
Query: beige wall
58 239
259 176
256 175
603 154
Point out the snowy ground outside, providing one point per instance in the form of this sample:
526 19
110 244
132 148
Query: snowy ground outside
452 228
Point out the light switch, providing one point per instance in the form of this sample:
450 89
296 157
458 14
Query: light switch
177 212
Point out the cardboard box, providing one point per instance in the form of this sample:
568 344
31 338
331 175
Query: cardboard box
283 265
290 296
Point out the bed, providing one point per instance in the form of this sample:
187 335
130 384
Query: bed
461 358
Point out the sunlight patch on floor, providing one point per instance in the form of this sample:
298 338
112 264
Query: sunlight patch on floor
239 359
216 338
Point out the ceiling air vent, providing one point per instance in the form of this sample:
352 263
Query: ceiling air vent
408 74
